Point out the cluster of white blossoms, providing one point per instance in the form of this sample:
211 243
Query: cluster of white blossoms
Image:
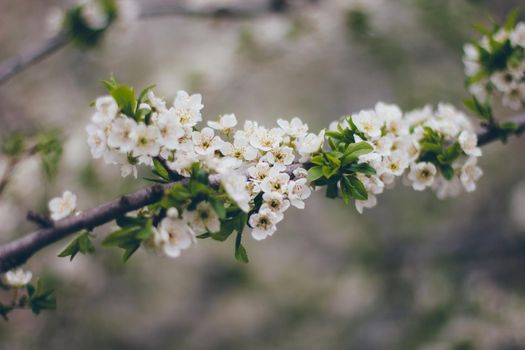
262 169
399 143
250 161
496 64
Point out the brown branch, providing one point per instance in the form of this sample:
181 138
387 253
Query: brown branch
18 251
17 64
492 134
26 59
242 11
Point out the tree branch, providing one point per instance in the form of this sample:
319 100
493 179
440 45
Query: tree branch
492 134
26 59
20 250
17 64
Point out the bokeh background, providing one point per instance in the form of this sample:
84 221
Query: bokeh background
413 273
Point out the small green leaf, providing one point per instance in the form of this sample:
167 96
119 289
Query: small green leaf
331 189
358 190
346 189
143 94
124 96
355 150
314 173
13 144
160 170
333 159
81 244
362 168
41 298
447 171
512 19
218 206
227 228
509 126
241 255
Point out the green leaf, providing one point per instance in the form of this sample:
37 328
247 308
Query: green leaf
128 252
124 96
331 189
509 126
41 298
227 228
357 188
333 159
314 173
482 110
447 171
318 160
121 237
218 206
355 150
13 144
334 134
49 147
512 19
362 168
160 170
450 154
4 311
346 189
81 244
241 255
143 94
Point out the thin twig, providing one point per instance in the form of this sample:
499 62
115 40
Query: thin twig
17 64
492 134
24 60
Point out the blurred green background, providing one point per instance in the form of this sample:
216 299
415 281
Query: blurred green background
413 273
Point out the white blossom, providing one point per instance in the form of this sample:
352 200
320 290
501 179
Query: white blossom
470 173
422 175
368 123
203 219
17 278
173 236
469 143
517 36
226 122
147 137
241 149
294 128
96 141
107 109
515 97
275 202
188 108
235 186
280 155
310 143
298 191
265 140
170 130
275 181
61 207
370 202
503 81
263 224
206 143
123 134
